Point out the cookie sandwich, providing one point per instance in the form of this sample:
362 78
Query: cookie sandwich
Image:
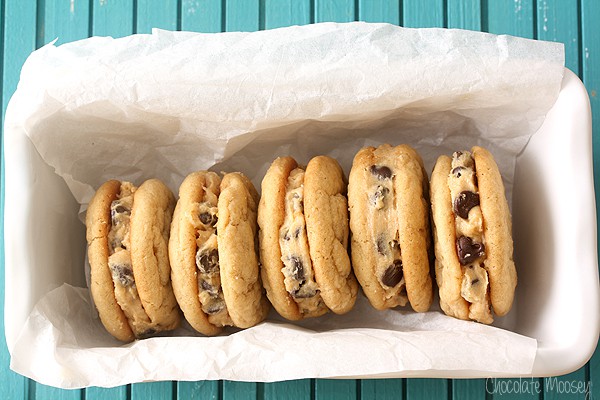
389 223
130 277
474 264
213 252
303 236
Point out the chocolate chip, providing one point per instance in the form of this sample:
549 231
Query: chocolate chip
208 219
296 233
297 269
304 293
393 274
381 172
474 281
123 273
214 307
207 262
381 246
457 172
468 251
287 237
147 333
457 154
464 202
379 195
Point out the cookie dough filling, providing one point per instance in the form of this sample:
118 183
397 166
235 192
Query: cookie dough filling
381 216
469 235
119 262
210 291
298 271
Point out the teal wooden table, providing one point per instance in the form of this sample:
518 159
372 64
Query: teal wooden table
29 24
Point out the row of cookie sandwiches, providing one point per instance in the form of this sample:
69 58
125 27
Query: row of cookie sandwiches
303 236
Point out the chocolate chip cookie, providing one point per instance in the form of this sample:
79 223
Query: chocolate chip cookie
127 234
213 252
474 266
303 236
389 221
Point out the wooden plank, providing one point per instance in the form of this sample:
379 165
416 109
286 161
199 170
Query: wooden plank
334 11
18 41
423 13
379 11
156 14
201 390
153 391
571 386
202 15
427 388
335 389
593 372
468 389
464 14
112 18
558 21
242 15
279 13
292 390
44 392
511 17
96 393
382 389
65 20
239 390
590 65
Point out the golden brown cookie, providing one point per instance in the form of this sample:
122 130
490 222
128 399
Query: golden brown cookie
303 235
475 270
127 234
238 251
389 220
193 251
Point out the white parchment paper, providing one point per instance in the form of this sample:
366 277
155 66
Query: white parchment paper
167 104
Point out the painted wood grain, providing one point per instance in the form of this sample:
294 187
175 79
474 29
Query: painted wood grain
335 11
242 15
202 15
289 390
423 13
279 13
112 18
379 11
153 391
334 389
512 17
382 389
66 21
118 393
427 388
464 14
156 14
590 65
240 390
201 390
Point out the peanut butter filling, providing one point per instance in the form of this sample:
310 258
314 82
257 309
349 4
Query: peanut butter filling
382 223
119 262
298 272
470 243
208 272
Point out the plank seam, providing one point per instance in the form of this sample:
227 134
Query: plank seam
445 13
40 14
261 15
91 19
223 15
179 12
534 17
135 18
580 46
484 16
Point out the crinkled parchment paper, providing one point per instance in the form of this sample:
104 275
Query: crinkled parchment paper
166 104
